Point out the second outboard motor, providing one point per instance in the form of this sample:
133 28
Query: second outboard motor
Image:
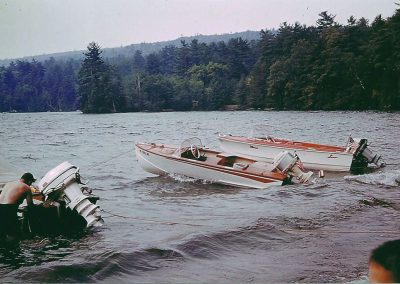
364 152
62 183
288 163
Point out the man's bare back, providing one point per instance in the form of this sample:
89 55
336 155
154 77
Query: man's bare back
11 196
15 192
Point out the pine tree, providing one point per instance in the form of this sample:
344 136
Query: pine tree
98 92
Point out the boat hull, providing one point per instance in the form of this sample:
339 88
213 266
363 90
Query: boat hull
337 160
160 164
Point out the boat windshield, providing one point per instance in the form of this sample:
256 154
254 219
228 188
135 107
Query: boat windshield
187 144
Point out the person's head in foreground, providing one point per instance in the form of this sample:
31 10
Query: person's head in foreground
384 263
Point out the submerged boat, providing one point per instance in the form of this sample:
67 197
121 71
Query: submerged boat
62 204
193 160
355 154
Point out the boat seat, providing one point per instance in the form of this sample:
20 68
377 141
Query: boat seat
224 155
261 166
240 166
202 158
227 160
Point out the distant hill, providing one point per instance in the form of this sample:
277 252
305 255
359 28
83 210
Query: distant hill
146 48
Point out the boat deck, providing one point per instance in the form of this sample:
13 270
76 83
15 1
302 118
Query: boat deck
278 142
216 159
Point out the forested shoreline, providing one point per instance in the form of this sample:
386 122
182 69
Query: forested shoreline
327 66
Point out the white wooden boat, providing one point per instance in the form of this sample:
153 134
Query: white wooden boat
193 160
313 156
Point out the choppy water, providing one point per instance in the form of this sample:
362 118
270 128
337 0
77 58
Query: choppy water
180 230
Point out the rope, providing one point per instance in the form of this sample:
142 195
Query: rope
112 158
136 218
287 230
148 220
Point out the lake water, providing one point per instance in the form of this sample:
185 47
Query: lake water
174 229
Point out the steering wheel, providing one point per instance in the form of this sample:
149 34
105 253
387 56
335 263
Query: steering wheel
195 151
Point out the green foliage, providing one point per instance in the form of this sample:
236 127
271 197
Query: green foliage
98 91
33 86
213 77
326 20
329 67
323 67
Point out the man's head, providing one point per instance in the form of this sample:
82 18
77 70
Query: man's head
28 178
384 263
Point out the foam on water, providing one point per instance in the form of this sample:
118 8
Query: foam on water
387 178
186 179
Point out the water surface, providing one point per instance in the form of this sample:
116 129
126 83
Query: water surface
177 229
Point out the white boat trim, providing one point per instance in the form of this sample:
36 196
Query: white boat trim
265 151
218 173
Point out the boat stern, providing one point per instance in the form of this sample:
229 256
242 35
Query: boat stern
62 184
362 155
291 165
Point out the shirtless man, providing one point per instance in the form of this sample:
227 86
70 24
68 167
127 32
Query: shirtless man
11 196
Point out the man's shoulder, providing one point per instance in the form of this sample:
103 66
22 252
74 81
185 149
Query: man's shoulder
25 186
22 186
11 184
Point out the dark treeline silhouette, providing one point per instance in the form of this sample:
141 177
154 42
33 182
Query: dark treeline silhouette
323 67
35 86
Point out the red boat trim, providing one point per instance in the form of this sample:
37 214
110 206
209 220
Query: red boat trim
287 144
220 169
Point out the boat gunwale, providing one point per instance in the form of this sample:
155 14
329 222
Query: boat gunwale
263 142
241 173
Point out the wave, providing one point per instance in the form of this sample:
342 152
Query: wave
389 178
176 185
100 267
112 177
73 266
262 235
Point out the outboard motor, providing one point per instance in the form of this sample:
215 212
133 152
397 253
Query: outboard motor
289 163
362 151
62 183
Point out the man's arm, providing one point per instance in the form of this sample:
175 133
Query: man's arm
28 196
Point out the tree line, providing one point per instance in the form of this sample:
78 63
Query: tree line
326 66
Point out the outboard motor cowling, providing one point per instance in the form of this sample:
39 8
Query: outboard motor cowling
364 152
288 163
62 183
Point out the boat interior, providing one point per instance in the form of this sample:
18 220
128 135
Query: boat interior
212 157
302 145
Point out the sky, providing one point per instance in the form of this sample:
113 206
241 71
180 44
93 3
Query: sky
34 27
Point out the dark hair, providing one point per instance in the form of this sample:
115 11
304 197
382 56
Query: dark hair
28 177
388 255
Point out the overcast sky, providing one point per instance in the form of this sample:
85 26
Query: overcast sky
32 27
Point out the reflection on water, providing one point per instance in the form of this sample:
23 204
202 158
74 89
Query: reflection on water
176 229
